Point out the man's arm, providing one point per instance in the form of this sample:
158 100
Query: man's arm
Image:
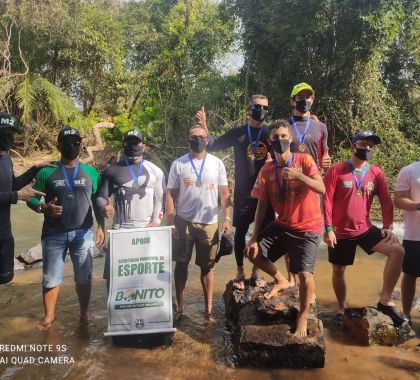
385 200
171 195
309 175
159 191
330 180
402 198
226 208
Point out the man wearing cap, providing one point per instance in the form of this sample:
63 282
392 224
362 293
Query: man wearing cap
290 183
251 147
138 187
196 180
407 198
12 189
310 135
70 194
350 188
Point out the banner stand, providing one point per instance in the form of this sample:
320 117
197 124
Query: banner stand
140 292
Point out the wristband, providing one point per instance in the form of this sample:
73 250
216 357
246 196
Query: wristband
228 218
329 229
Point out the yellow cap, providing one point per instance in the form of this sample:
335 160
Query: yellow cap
300 87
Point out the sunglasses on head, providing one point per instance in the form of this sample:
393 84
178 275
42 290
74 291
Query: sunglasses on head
259 106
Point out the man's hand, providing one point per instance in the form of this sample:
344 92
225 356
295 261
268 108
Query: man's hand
108 211
388 236
227 226
152 225
52 209
326 161
251 249
27 192
100 237
291 174
200 118
175 233
330 239
44 164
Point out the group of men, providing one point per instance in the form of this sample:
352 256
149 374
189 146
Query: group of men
278 186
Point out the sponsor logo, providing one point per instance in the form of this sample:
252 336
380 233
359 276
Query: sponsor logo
139 323
348 184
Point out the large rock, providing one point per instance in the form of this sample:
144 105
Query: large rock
33 256
369 326
262 329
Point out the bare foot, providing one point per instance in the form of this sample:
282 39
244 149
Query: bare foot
86 318
46 324
277 287
301 326
239 281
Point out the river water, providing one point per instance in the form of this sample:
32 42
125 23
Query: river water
200 350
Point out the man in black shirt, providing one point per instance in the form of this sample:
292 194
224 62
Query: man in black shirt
251 148
12 189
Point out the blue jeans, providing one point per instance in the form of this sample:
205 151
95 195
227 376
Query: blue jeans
54 250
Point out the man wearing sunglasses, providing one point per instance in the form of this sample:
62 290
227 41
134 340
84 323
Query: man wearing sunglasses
70 194
251 147
137 186
196 180
350 188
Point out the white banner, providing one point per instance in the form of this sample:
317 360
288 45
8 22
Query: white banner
140 291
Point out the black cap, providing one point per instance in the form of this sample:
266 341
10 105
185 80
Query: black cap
68 132
8 122
225 246
133 133
366 135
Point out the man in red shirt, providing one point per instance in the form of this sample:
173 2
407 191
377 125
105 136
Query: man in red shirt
290 183
350 188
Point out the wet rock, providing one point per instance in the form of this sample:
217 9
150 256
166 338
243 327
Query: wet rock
31 255
18 265
369 326
262 329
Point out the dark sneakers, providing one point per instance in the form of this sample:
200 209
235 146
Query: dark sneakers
397 316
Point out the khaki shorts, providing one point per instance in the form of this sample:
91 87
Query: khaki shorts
205 238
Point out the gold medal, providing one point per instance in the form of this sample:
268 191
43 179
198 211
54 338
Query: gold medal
359 193
252 157
301 148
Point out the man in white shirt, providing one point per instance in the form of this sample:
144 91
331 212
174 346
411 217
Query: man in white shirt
407 198
138 187
195 182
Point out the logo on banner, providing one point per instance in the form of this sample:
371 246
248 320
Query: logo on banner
139 323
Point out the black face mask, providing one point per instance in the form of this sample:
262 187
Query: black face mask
7 141
133 150
280 145
70 151
258 114
197 145
363 154
303 105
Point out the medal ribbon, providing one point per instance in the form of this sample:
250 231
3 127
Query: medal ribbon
198 175
276 174
66 178
299 136
362 177
139 169
254 145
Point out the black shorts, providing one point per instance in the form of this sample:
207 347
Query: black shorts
411 262
344 251
7 262
302 247
244 208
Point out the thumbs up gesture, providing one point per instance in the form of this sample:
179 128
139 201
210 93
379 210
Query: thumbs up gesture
108 210
200 118
27 192
52 209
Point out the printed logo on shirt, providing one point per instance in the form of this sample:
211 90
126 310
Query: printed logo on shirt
369 187
59 183
260 152
80 182
210 187
348 184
